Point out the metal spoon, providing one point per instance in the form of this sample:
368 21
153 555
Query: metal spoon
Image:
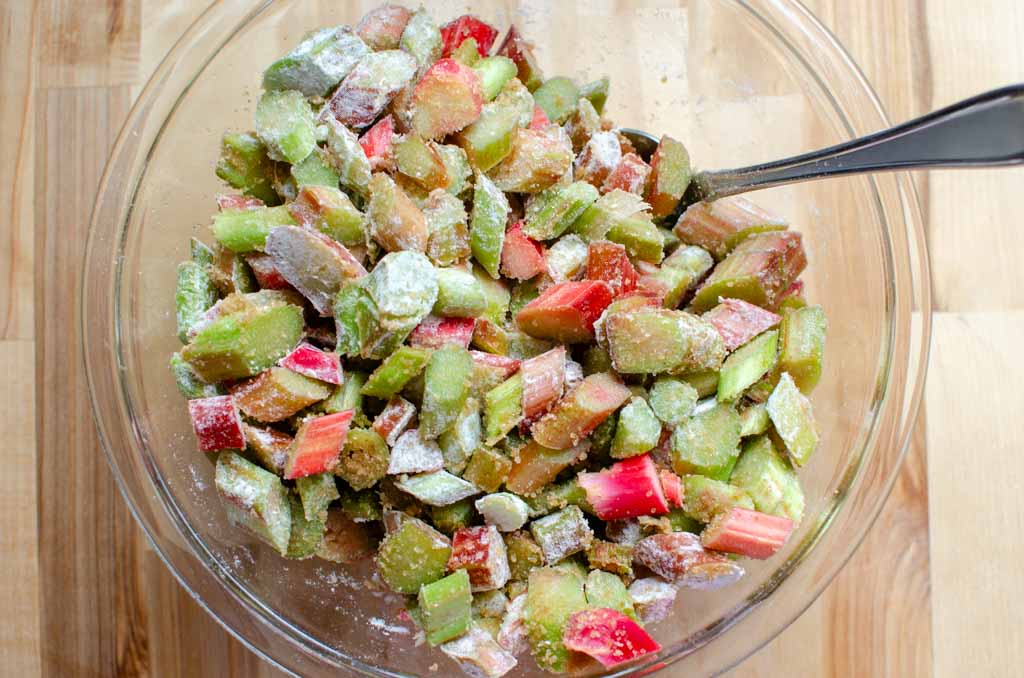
984 131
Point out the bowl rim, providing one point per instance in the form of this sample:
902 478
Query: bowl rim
918 256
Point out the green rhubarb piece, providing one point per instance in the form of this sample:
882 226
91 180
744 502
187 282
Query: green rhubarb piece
456 164
704 498
458 294
596 359
438 488
348 158
672 283
494 72
552 597
539 159
490 604
396 223
802 345
707 443
244 344
754 420
610 210
504 510
362 507
403 285
562 534
314 171
638 430
517 96
490 138
610 557
746 365
649 340
556 496
606 590
705 381
447 224
596 93
395 372
522 346
446 607
446 387
769 479
681 522
672 400
453 516
364 459
487 224
574 565
557 97
670 239
566 258
640 237
242 277
497 295
467 52
524 292
551 212
462 438
316 64
316 492
602 437
721 225
306 534
194 295
284 123
422 38
793 419
488 469
670 178
485 377
421 162
348 396
189 384
695 260
246 230
244 165
336 216
413 555
355 317
523 554
503 409
200 252
254 499
278 393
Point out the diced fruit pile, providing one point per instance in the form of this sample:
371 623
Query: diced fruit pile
452 321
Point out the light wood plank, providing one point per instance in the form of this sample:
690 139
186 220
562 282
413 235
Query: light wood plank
88 43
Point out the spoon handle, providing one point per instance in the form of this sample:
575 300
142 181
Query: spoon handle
984 131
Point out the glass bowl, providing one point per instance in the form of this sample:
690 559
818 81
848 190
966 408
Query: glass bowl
740 81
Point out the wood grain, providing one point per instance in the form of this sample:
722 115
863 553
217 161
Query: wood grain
93 43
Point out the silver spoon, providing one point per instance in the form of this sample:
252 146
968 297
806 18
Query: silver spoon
984 131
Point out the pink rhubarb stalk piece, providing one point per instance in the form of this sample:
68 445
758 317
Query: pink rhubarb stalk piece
631 175
434 332
580 411
267 275
627 489
543 380
747 533
232 201
672 486
382 27
609 262
481 552
467 26
740 321
509 366
566 312
680 558
310 361
217 423
608 636
317 445
376 142
540 118
521 257
394 419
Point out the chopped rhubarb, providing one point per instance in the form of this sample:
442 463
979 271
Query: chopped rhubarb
330 211
538 160
680 558
543 380
521 53
435 332
627 489
609 262
508 366
747 533
672 486
720 226
446 99
317 445
368 88
670 176
233 201
521 257
608 636
562 534
652 598
540 118
600 156
581 411
394 419
411 453
381 28
632 175
566 312
267 275
312 362
277 394
739 321
479 654
217 423
481 552
467 26
537 466
377 141
312 263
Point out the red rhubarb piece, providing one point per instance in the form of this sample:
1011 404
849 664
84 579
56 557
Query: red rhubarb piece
382 27
509 366
376 142
543 381
740 321
481 552
434 332
521 53
566 312
608 636
314 363
217 423
317 445
394 419
580 411
672 486
267 275
680 558
628 489
747 533
521 257
540 118
632 175
233 201
609 262
467 26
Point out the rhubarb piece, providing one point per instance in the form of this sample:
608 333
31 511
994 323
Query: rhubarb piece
490 605
707 443
705 498
254 499
680 558
462 438
364 459
284 123
744 367
362 507
347 157
453 517
447 224
705 381
244 344
244 165
312 362
457 165
638 430
747 533
632 175
758 270
348 397
345 540
611 558
668 284
566 259
478 654
543 380
652 599
540 118
696 262
627 489
648 341
557 97
266 274
422 38
503 510
769 480
609 636
672 400
421 162
754 420
459 294
465 27
521 257
438 488
512 633
553 596
521 53
503 409
446 99
524 555
673 487
606 590
396 371
670 177
446 607
720 226
539 158
268 446
242 278
495 72
551 212
580 411
216 423
491 137
378 143
225 202
447 386
277 394
536 466
557 496
372 83
394 419
640 236
317 445
487 224
610 211
608 261
316 492
488 469
412 453
480 551
381 28
562 534
739 321
802 345
412 556
515 96
246 230
403 287
318 63
793 419
596 93
466 53
396 223
599 157
306 534
193 296
312 263
189 384
566 312
435 332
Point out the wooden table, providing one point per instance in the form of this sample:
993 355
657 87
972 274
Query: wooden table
933 591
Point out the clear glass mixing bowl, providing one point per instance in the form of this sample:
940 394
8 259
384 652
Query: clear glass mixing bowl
739 81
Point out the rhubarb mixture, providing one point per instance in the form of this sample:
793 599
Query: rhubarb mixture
453 322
